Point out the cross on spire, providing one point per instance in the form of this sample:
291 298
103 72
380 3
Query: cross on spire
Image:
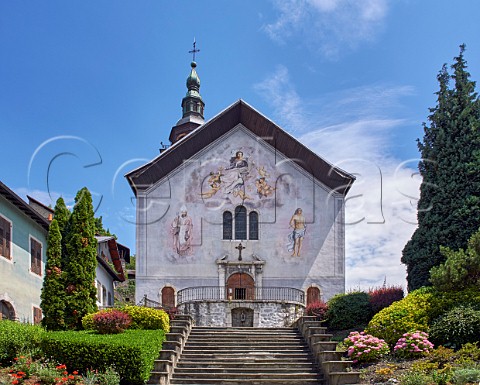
194 50
240 247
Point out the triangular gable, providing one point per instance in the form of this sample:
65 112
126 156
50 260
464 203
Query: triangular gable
240 112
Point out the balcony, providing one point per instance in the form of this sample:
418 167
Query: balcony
263 294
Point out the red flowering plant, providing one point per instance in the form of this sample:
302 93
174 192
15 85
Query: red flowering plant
317 309
21 369
67 378
111 322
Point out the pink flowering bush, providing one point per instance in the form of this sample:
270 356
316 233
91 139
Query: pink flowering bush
363 347
413 345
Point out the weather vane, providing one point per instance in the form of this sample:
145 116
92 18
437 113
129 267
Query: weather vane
194 50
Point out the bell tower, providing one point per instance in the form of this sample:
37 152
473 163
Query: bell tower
192 108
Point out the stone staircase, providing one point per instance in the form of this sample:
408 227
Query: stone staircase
249 356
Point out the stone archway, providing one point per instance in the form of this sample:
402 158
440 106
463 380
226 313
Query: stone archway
240 286
6 310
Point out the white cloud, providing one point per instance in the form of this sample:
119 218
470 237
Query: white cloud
283 97
379 209
328 24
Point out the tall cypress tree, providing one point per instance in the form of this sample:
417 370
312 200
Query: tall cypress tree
62 214
81 261
53 291
449 205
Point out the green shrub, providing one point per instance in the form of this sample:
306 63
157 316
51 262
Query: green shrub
456 327
409 314
87 321
464 376
468 354
111 322
132 353
147 318
348 311
16 338
414 378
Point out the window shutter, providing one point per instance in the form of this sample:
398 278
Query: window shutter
5 238
37 315
36 256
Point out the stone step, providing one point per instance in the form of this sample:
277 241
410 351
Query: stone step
303 365
247 376
207 345
262 381
230 336
243 370
244 354
243 359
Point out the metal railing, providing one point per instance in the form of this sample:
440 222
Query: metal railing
217 293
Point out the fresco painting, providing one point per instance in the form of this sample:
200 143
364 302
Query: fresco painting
238 182
182 232
295 238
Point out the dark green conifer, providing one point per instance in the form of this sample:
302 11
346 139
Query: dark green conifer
81 261
449 205
53 291
62 214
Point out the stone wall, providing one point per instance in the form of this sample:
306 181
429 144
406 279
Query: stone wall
265 313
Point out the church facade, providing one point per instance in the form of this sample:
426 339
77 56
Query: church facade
238 223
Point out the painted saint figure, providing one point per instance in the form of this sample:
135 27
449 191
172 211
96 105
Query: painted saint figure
235 175
295 238
182 227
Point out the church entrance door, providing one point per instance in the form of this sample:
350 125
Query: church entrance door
240 286
242 317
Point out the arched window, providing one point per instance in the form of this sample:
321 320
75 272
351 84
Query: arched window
6 311
240 223
227 225
237 226
253 225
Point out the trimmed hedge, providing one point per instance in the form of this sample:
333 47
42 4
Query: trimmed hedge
132 353
348 311
147 318
142 318
17 338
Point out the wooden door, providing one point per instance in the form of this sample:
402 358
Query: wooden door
313 295
168 297
240 286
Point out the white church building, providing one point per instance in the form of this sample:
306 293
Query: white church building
238 223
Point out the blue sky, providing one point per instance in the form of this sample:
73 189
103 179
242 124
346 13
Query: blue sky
89 90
